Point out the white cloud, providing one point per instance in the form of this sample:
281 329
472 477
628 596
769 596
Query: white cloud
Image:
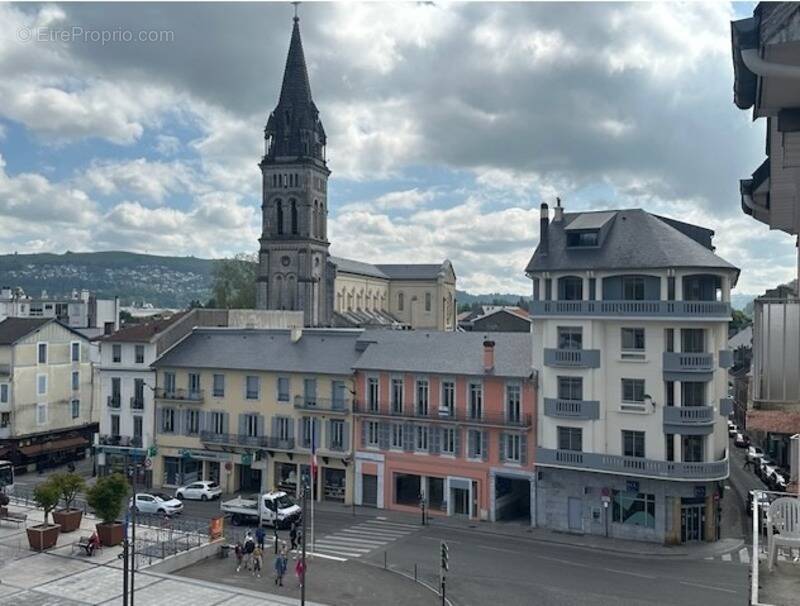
154 180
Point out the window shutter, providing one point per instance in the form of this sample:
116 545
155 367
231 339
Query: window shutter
457 441
159 419
260 425
275 421
185 422
226 422
177 420
523 449
363 433
290 428
346 436
435 439
317 435
408 436
242 424
502 444
328 432
201 422
384 430
484 437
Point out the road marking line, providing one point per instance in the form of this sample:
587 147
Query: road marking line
726 557
744 556
326 556
397 524
372 533
709 558
380 531
342 552
707 587
381 518
628 572
351 548
499 549
337 538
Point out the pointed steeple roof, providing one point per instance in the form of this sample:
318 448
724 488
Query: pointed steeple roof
294 126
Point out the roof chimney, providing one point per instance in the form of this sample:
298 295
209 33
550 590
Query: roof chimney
558 214
544 220
296 334
488 356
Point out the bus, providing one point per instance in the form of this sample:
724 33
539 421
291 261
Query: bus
7 477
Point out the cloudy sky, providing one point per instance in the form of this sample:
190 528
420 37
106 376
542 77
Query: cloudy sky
447 124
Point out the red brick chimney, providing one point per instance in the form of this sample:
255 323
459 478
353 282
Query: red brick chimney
488 356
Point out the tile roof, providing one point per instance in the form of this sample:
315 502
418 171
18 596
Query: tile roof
143 332
635 240
14 329
412 271
322 351
357 267
457 353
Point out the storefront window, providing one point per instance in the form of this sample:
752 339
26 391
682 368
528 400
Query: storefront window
406 489
436 498
333 484
286 477
637 509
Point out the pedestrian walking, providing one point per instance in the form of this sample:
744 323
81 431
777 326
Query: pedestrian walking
293 536
280 567
747 463
300 571
260 536
249 547
257 561
239 551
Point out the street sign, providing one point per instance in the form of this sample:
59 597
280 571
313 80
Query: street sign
151 452
148 463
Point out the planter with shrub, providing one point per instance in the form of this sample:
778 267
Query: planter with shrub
106 498
44 536
69 485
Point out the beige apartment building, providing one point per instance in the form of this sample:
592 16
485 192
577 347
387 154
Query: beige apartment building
46 413
242 406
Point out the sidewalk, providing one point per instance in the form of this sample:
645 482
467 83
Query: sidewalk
520 530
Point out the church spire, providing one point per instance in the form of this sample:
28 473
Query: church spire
294 129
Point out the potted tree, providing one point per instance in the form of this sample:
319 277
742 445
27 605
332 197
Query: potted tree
45 535
106 497
69 485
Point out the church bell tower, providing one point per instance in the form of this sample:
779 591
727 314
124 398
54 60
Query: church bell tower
294 272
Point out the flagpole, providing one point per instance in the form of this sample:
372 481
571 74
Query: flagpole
313 475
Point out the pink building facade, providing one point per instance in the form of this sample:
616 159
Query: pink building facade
448 420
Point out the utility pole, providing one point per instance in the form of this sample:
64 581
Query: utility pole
133 531
422 506
303 560
443 568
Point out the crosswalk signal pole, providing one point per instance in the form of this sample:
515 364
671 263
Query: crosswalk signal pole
443 568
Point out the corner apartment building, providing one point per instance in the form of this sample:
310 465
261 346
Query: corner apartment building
241 407
126 382
448 418
766 62
45 393
630 317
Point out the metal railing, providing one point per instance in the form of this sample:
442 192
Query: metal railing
458 416
572 358
635 466
632 308
124 441
674 361
688 415
183 395
137 403
234 439
572 409
330 405
114 401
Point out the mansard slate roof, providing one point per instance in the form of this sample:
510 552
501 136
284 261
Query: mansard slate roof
456 353
14 329
322 351
407 271
635 239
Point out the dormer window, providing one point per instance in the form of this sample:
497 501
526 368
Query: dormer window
583 239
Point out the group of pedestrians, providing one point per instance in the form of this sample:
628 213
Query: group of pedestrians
250 555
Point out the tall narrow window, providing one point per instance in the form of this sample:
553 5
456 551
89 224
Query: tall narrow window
513 403
475 400
42 348
428 300
422 397
372 394
116 353
397 396
76 352
400 301
570 337
279 217
448 403
140 354
294 217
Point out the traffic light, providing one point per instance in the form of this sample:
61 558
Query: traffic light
445 556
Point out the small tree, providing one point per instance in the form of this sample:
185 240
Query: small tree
69 485
46 495
106 497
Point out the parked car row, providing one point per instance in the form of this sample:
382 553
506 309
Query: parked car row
763 466
166 505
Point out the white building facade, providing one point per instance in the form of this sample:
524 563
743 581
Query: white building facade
630 326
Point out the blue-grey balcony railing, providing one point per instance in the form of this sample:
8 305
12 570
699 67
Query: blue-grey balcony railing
582 410
245 441
327 405
572 358
180 395
633 466
689 420
686 309
485 418
681 366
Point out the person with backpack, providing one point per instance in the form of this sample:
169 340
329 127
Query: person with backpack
249 548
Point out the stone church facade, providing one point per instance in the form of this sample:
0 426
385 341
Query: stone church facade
296 270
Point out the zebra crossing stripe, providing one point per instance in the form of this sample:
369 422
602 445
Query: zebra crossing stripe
351 554
340 539
387 530
334 547
371 533
395 524
726 557
744 556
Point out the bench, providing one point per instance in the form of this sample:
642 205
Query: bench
85 543
14 518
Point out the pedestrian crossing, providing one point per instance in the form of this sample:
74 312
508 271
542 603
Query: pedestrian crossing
743 556
361 539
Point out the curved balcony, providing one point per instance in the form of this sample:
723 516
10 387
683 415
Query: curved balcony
633 466
581 410
683 309
572 358
689 420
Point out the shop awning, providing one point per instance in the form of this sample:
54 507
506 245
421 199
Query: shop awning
54 446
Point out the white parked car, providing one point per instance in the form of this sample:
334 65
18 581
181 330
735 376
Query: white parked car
157 503
203 491
754 453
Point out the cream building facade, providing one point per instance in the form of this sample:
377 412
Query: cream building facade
241 407
46 408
